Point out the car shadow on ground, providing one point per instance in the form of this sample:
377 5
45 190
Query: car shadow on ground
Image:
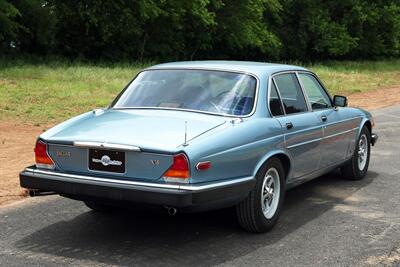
128 238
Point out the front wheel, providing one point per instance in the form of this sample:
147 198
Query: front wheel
260 210
357 167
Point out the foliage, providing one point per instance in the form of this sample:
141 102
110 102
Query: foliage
163 30
8 25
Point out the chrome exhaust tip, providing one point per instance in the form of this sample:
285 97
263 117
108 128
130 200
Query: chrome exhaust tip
37 192
171 211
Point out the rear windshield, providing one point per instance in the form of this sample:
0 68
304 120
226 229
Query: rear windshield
219 92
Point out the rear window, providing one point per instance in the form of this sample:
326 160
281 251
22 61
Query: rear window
199 90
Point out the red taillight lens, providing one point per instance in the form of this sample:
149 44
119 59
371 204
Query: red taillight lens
41 157
179 171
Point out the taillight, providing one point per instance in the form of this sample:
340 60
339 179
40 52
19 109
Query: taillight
42 159
179 170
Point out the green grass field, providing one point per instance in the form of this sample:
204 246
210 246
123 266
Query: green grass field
50 92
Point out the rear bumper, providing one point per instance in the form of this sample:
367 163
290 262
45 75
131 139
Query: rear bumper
374 138
81 186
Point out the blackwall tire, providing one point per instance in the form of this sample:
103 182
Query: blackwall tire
357 167
260 210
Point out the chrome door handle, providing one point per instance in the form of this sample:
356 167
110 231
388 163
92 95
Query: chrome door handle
289 125
324 118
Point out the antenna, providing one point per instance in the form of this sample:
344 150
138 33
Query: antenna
185 143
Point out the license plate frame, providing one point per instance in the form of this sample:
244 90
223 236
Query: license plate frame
103 160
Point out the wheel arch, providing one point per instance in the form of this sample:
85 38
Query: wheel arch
365 122
368 124
282 156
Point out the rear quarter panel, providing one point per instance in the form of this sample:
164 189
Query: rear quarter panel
236 150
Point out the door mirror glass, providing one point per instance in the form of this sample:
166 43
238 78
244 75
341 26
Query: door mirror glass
340 101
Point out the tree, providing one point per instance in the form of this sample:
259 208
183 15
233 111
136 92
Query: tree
8 25
165 30
36 34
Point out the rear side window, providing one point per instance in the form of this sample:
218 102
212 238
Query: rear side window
275 102
315 92
291 94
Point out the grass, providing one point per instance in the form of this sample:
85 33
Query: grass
49 92
353 77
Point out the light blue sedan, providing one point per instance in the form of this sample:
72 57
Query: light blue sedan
194 136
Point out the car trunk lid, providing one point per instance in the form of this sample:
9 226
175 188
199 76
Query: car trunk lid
157 135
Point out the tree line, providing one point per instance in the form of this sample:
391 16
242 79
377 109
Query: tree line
161 30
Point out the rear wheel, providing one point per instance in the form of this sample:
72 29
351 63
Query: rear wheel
260 210
357 167
97 206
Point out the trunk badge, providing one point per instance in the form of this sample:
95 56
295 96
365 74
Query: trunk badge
63 154
155 162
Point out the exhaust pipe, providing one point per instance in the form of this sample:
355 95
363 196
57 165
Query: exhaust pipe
171 210
37 193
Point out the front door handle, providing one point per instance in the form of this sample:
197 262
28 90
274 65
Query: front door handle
289 125
324 118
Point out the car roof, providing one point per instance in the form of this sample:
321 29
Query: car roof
256 68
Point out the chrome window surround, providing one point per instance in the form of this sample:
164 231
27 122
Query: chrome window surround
270 80
191 110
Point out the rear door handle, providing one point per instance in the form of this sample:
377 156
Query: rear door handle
289 125
324 118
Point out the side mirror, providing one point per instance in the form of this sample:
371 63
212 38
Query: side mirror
340 101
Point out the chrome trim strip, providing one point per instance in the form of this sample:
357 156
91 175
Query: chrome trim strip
305 143
194 188
336 134
303 90
345 120
106 145
319 139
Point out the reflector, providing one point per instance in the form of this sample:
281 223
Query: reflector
204 165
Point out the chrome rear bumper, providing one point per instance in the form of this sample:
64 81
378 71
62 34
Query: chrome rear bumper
80 186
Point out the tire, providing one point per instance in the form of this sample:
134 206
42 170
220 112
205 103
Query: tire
97 206
253 216
357 167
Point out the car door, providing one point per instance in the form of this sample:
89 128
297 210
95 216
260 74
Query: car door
335 126
302 131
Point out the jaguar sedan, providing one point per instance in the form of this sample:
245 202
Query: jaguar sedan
195 136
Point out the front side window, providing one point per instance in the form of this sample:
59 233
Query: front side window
316 94
220 92
291 93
